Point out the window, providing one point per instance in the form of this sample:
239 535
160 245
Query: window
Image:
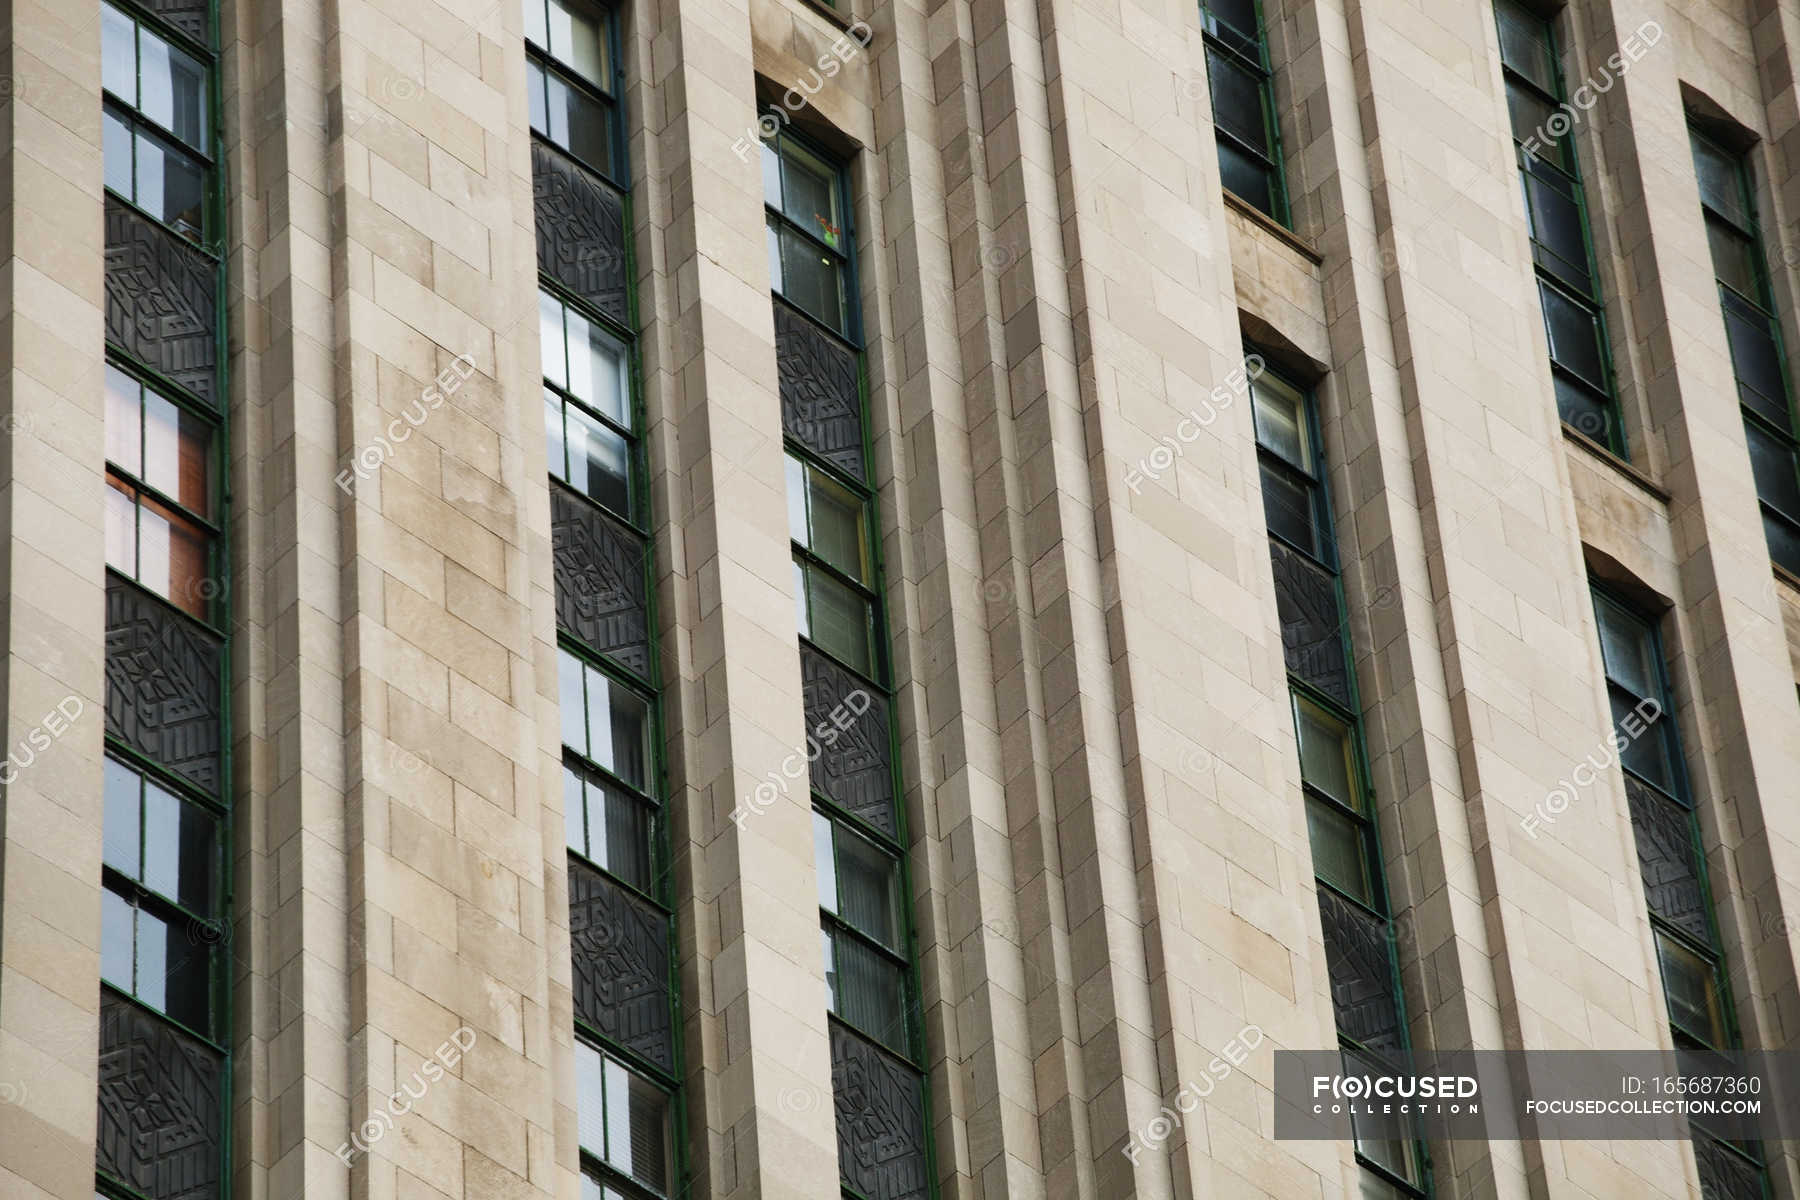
622 1120
587 405
570 79
1243 104
158 506
1556 214
835 606
604 721
803 205
155 122
160 852
1770 426
608 825
863 934
1293 495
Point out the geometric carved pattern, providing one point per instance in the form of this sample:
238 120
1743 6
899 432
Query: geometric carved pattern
599 581
580 231
1724 1175
821 407
1357 956
162 684
1665 859
621 955
1306 603
1665 846
161 1105
161 300
189 16
849 747
880 1119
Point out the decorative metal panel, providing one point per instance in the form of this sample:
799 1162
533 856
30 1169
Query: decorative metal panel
161 300
621 950
161 1104
847 724
1724 1175
1311 634
1358 955
162 684
600 581
580 231
821 407
1665 846
189 16
880 1119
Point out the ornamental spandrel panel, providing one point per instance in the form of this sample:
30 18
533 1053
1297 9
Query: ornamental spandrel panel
821 405
880 1119
847 731
1665 845
163 693
1358 954
160 1120
189 16
580 231
1311 633
162 300
620 947
600 587
1725 1175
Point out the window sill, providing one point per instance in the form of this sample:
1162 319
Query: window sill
1270 224
1643 482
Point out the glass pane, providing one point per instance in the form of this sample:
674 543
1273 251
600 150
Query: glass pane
1281 421
178 849
802 621
121 831
1238 15
1531 115
1646 754
578 39
552 346
809 278
1777 472
172 556
1734 258
796 498
176 956
121 529
115 939
590 1101
169 186
1582 409
1337 850
637 1127
630 826
536 28
1380 1137
837 526
1525 44
555 449
599 462
118 62
1721 183
809 194
775 278
175 452
840 620
172 89
618 728
825 862
116 150
535 85
1762 384
150 978
1237 101
1288 508
1247 178
1692 984
1625 645
1326 759
569 699
871 991
1574 333
869 883
1784 542
574 810
1556 226
578 123
771 171
597 370
124 433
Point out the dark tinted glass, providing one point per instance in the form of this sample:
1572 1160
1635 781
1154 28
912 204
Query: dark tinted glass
1734 258
1530 117
868 990
1248 178
1525 44
1721 187
1556 225
1237 101
1582 410
1755 361
1574 333
808 276
1288 509
1647 755
1773 463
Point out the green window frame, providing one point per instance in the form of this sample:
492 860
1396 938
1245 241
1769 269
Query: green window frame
157 121
1696 985
1241 84
623 1127
1753 334
1336 785
574 76
809 250
1556 210
589 419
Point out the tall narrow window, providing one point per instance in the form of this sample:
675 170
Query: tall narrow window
1335 785
163 1119
1672 858
1243 104
1764 397
859 834
621 897
1556 208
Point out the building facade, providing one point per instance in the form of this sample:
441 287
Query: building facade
648 600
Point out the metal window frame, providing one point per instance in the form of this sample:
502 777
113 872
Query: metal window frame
1263 67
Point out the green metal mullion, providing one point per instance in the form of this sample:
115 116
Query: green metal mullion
1271 120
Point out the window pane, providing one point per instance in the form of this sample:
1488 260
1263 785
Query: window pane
1237 101
597 370
1647 754
1734 258
1721 187
1246 178
796 498
590 1100
1281 421
809 194
837 526
121 831
616 826
802 618
599 462
169 185
552 344
172 556
177 957
869 883
574 808
172 89
1574 333
536 29
1530 114
870 991
618 728
124 433
1525 44
1239 16
118 62
1288 508
1556 226
578 39
1625 645
809 278
1582 409
1777 473
578 123
1326 761
535 86
570 701
555 449
176 445
840 620
825 862
1380 1137
775 277
150 977
115 939
1784 541
637 1127
1337 850
116 150
1762 384
178 849
771 165
1692 984
121 529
